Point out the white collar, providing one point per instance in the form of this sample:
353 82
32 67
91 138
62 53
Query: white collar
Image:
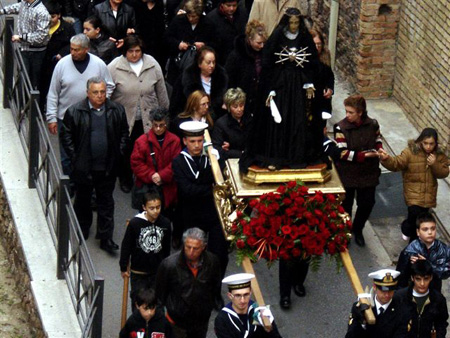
384 306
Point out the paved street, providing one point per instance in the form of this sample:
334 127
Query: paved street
324 311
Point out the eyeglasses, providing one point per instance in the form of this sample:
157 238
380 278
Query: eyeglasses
159 126
241 296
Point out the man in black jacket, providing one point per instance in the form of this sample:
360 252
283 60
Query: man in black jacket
427 308
391 319
188 284
94 134
229 19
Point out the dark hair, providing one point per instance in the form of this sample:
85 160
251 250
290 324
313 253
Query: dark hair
426 133
53 7
202 52
358 102
151 196
421 268
423 218
290 12
160 114
132 41
146 297
95 21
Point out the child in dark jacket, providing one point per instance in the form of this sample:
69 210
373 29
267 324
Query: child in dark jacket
148 320
426 247
146 243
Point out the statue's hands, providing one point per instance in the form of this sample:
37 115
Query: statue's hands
310 92
271 95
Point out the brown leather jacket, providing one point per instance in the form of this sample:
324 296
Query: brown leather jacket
419 180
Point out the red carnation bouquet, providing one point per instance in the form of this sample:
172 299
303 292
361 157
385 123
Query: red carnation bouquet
291 223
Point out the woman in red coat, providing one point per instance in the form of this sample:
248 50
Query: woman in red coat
156 169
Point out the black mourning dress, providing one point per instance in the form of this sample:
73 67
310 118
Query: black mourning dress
290 143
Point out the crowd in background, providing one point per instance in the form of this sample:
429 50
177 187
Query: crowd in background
151 65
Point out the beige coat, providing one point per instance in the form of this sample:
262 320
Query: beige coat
267 12
419 180
147 90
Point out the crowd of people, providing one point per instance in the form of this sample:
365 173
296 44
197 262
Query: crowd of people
131 86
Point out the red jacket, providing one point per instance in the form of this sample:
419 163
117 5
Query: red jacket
142 163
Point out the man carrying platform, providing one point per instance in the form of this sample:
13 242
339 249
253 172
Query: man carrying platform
391 321
242 317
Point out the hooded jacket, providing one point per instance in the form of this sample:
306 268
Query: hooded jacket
419 180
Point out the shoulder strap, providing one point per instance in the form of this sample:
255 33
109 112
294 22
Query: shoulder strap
152 154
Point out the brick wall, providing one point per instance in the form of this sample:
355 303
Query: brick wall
423 65
11 242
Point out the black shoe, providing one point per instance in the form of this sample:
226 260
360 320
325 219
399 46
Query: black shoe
285 302
108 245
299 290
125 187
359 240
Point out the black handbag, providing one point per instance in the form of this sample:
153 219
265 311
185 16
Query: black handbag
137 193
186 58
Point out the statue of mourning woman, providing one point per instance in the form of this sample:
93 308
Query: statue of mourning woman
286 132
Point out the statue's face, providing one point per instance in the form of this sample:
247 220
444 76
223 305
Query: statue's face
294 24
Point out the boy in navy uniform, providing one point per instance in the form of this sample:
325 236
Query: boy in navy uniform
237 318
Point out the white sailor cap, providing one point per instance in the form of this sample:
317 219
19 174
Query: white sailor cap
385 279
238 281
193 128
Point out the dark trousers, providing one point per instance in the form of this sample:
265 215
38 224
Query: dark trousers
196 330
365 201
138 282
409 224
104 188
33 64
65 160
291 273
218 246
125 173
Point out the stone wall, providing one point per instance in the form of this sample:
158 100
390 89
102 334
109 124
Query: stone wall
423 65
11 242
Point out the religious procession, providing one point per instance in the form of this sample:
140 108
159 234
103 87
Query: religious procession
215 116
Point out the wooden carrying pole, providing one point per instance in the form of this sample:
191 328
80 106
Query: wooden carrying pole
126 282
356 284
246 263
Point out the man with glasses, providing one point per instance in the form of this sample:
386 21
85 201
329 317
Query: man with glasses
237 318
94 134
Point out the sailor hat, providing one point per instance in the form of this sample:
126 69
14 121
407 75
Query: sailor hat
385 279
193 128
238 281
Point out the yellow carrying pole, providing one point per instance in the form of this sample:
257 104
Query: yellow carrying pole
356 284
246 263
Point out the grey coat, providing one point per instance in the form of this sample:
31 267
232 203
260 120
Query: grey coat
147 90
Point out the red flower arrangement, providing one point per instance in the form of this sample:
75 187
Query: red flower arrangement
291 223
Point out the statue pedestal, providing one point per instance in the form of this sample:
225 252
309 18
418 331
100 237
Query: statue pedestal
258 175
329 182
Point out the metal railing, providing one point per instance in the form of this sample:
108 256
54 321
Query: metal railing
74 263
